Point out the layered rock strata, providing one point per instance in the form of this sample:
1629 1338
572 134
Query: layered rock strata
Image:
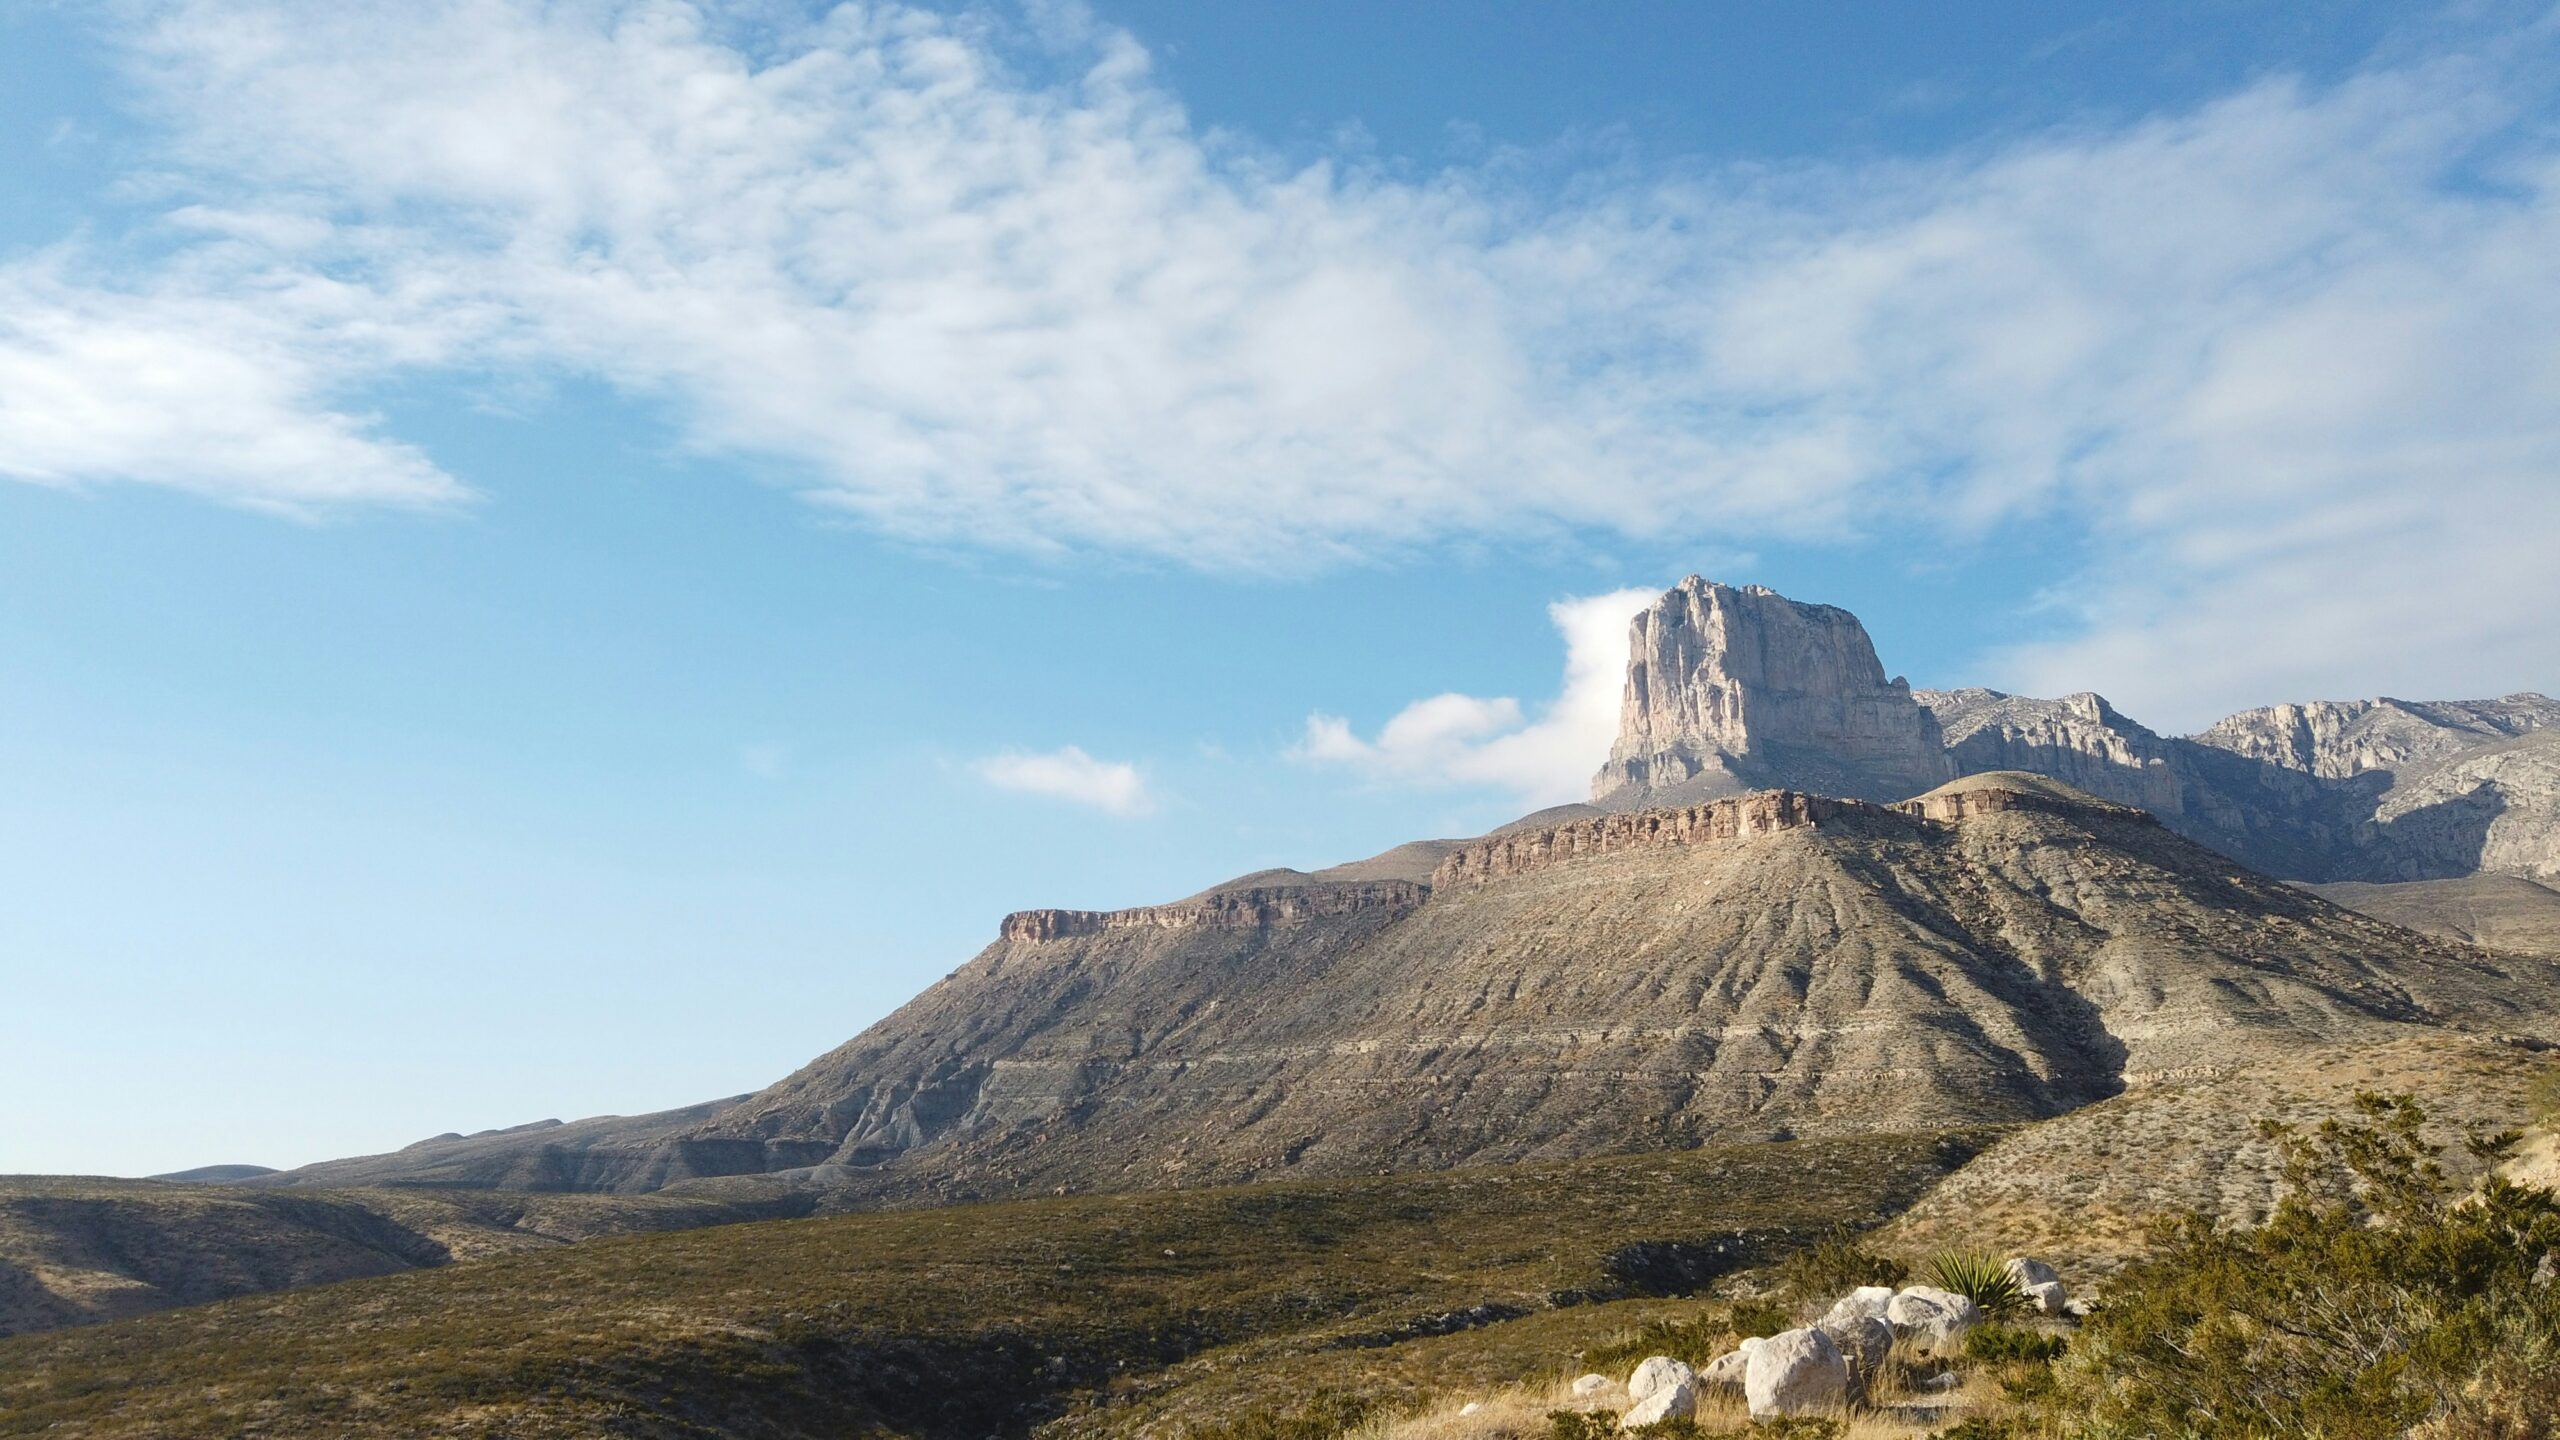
1999 949
1220 910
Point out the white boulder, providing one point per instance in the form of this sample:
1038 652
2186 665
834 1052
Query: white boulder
1863 1342
2031 1272
1797 1372
1590 1384
1931 1319
2049 1298
1725 1371
1865 1302
1675 1401
1659 1373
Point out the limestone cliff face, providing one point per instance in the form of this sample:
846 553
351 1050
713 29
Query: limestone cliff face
2080 740
1730 690
2341 739
1221 910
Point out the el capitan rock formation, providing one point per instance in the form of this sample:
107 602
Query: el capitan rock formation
1731 690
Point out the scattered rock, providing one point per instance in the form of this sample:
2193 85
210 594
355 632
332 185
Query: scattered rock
1863 1341
1658 1373
2031 1272
1471 1407
1675 1401
1867 1302
1931 1319
2048 1298
1797 1372
1943 1380
1590 1384
1725 1371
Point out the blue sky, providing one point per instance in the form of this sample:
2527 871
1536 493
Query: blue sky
563 559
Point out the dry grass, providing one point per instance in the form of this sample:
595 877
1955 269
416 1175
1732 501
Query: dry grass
1901 1410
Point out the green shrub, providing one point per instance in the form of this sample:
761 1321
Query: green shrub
1833 1266
1696 1341
1581 1425
1980 1427
2380 1300
1981 1278
1324 1416
1758 1317
2012 1345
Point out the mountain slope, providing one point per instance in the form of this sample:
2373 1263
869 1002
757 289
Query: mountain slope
76 1250
2499 912
2001 949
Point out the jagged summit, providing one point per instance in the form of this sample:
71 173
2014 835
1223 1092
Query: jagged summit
1731 690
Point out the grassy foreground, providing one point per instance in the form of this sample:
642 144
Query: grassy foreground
970 1321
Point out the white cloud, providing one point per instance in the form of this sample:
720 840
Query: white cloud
1113 787
1462 740
2279 365
222 395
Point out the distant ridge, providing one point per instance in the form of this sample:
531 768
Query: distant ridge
1731 689
218 1174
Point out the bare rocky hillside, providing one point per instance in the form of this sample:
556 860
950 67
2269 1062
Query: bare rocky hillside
2001 949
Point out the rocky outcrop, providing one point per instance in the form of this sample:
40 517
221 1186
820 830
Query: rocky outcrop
1219 910
1518 852
1743 689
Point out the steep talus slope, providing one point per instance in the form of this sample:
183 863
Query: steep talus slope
2003 948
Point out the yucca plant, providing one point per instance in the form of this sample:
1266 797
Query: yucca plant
1983 1279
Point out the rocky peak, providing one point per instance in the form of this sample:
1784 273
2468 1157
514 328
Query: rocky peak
1731 690
2339 739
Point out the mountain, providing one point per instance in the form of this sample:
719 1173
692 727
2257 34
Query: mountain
2002 948
1781 917
1732 689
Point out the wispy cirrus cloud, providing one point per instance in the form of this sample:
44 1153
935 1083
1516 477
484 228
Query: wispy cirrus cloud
1114 787
982 281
